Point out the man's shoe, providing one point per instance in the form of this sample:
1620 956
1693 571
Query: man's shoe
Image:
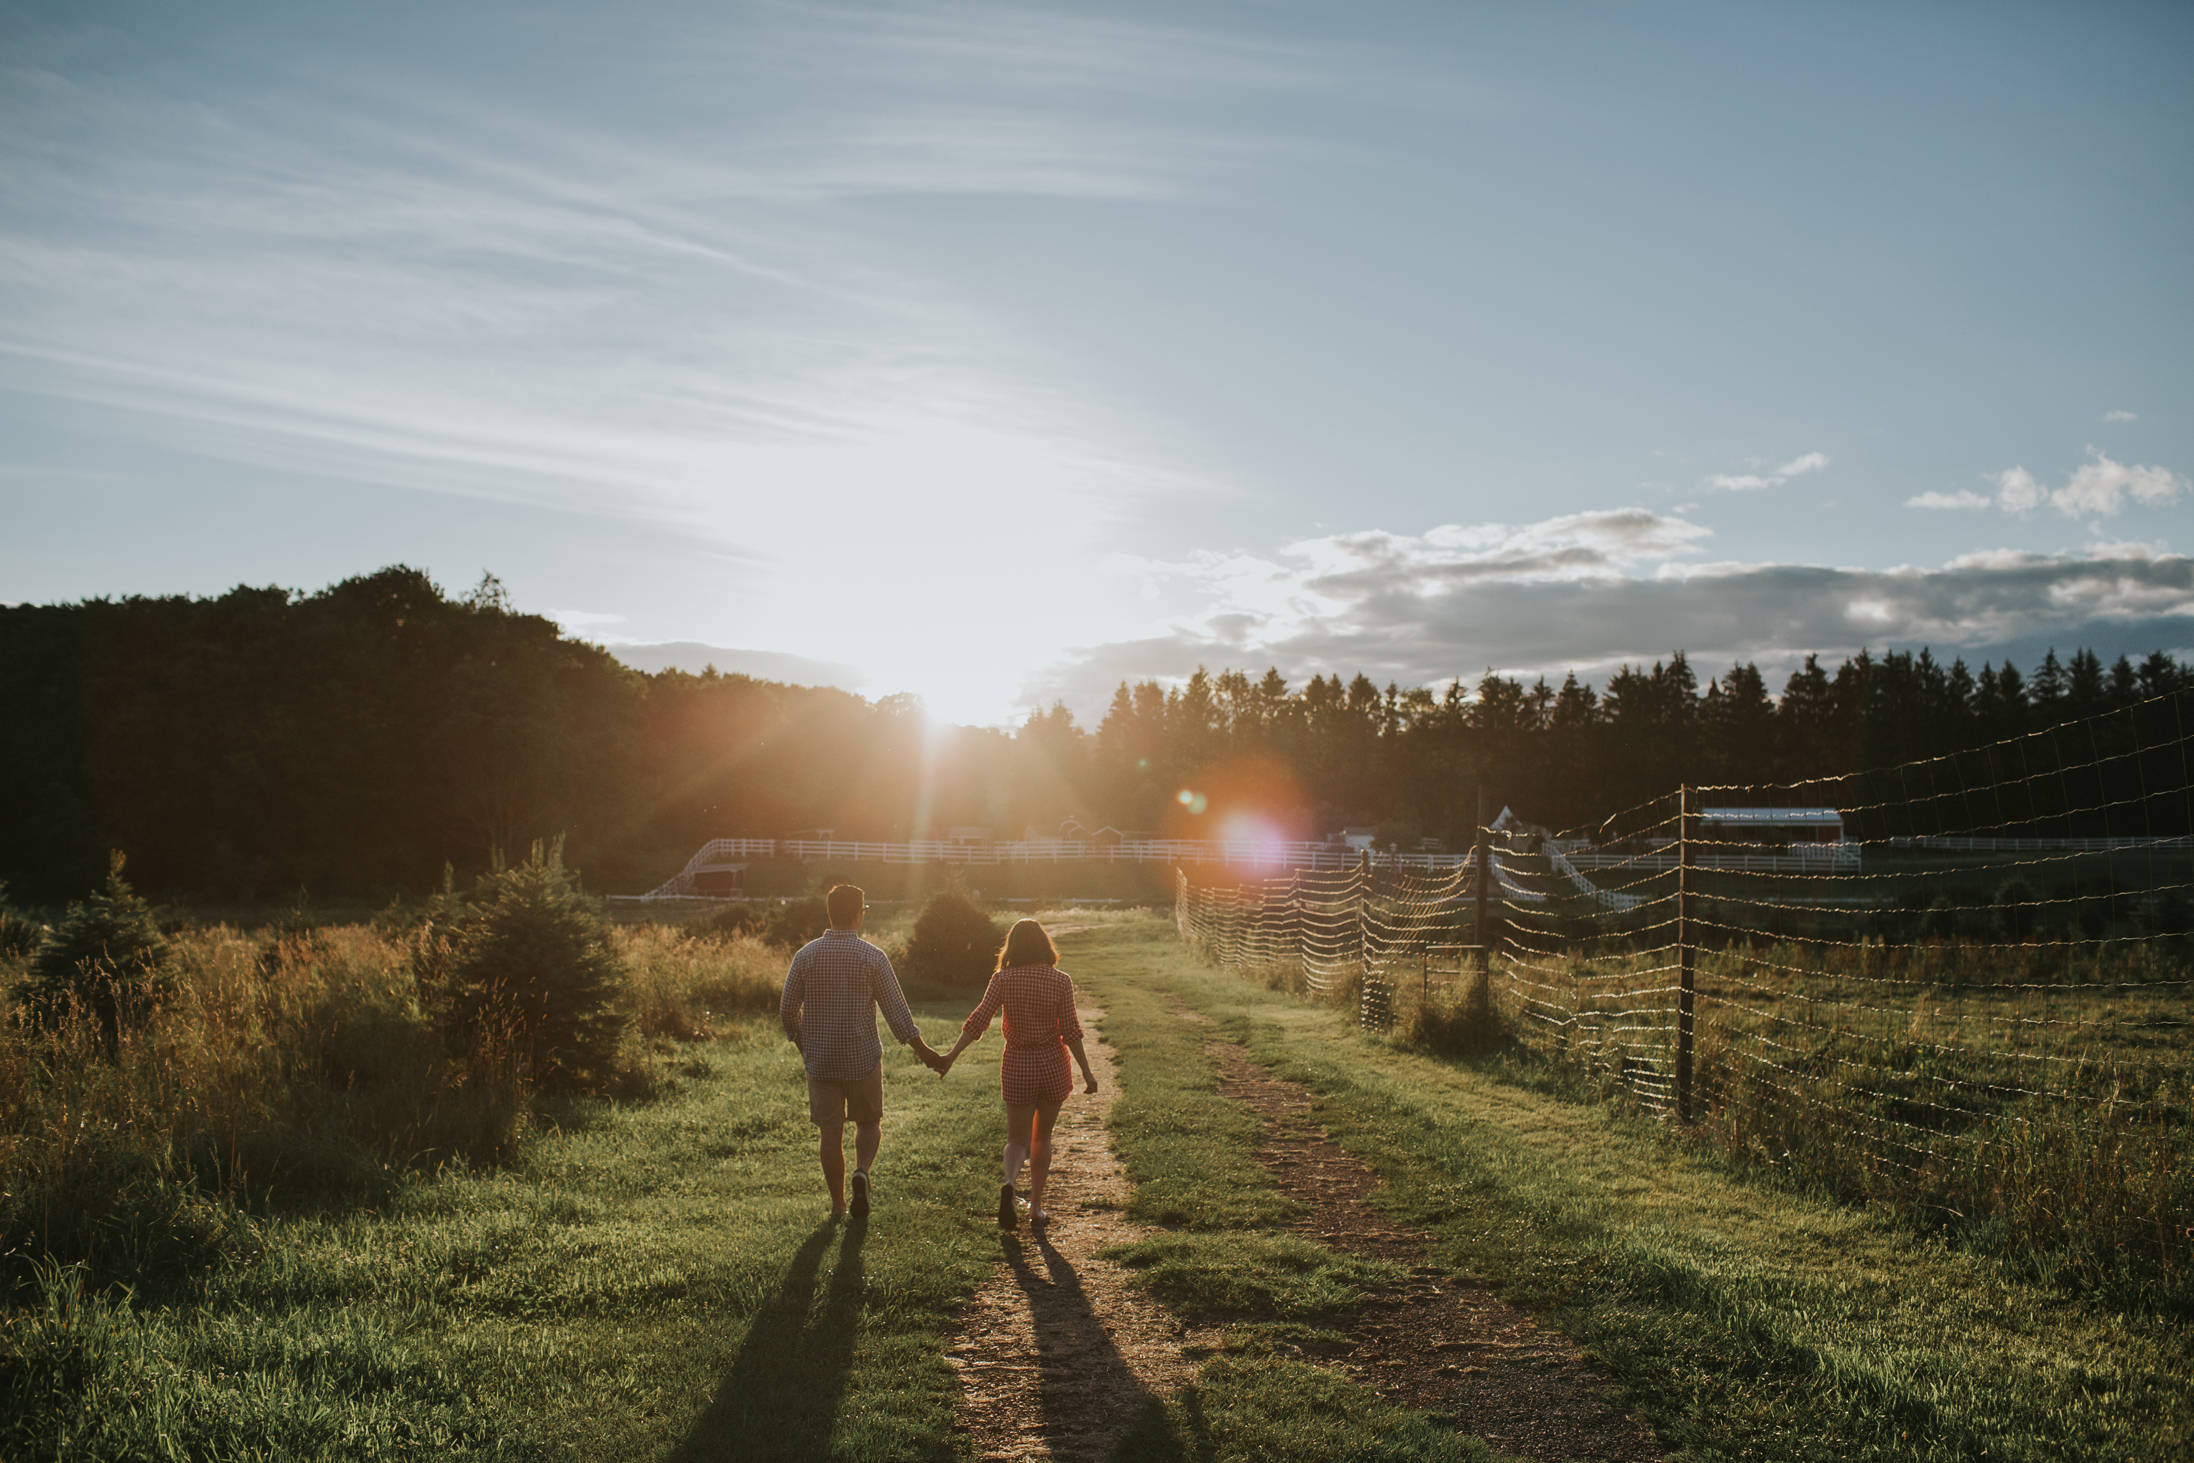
860 1196
1009 1216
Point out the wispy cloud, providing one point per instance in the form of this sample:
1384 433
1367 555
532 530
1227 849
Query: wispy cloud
2119 416
1963 498
1775 478
390 279
659 297
1040 52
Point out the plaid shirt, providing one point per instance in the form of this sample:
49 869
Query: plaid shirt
1038 1004
1038 1001
829 1007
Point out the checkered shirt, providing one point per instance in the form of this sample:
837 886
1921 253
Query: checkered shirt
1039 1007
829 1006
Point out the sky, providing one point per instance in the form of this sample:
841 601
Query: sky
1000 353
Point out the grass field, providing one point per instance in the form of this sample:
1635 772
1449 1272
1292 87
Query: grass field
2030 1092
655 1277
1745 1320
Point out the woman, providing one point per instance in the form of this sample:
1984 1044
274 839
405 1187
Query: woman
1038 1000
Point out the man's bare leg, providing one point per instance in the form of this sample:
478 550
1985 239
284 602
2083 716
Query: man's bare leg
834 1163
866 1137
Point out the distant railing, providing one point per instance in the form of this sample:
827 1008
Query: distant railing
1806 858
721 854
2039 845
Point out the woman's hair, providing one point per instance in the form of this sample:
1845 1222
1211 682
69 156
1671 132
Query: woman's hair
1027 944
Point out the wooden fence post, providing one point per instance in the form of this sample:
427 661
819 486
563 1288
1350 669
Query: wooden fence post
1363 909
1481 855
1685 945
1295 914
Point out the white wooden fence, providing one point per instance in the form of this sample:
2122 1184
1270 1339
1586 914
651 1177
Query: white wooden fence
723 854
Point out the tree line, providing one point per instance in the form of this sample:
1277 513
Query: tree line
358 738
1414 762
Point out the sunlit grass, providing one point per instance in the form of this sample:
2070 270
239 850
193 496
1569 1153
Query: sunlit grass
1745 1319
650 1279
656 1278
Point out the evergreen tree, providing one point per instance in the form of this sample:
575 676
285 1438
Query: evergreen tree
2125 682
2160 674
107 960
2087 691
522 964
1805 723
1738 719
2046 692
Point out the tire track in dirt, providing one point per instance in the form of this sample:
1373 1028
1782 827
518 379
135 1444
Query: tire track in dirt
1057 1354
1452 1349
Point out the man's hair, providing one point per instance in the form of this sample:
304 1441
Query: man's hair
844 904
1027 944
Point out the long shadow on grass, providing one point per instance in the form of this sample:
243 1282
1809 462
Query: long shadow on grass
780 1398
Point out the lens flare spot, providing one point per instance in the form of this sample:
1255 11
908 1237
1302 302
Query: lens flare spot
1192 800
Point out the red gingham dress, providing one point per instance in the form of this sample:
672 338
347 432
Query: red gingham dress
1039 1009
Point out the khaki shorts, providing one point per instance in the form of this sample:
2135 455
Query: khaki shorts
831 1101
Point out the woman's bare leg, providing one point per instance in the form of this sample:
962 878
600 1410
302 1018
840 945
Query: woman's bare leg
1040 1154
1020 1125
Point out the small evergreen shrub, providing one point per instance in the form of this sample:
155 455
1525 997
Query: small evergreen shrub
521 969
107 959
954 942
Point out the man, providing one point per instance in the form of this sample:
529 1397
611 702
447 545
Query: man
829 1010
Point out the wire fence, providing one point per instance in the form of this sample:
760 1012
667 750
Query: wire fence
1983 1018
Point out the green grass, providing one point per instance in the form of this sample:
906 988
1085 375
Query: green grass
1259 1276
656 1279
1745 1321
651 1280
1190 1153
1255 1409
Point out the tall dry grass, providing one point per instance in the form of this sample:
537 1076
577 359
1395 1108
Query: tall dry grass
694 987
288 1067
297 1067
2038 1100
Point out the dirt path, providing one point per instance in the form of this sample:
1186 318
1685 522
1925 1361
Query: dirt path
1057 1354
1451 1349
